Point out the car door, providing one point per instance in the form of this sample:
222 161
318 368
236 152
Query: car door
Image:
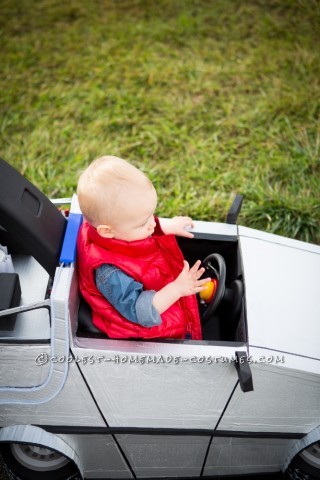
160 385
162 400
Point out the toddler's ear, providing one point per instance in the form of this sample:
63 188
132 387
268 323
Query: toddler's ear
105 231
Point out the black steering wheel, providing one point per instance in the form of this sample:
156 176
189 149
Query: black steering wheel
215 263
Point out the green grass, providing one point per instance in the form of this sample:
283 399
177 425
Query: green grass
209 97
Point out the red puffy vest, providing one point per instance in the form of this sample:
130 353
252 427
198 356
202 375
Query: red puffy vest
154 262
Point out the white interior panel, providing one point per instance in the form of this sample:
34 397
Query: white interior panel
282 293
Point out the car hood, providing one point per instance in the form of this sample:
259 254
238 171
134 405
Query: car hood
281 279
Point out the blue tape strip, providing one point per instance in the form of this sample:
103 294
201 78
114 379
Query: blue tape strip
69 247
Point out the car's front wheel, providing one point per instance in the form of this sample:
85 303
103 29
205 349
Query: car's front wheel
33 462
306 465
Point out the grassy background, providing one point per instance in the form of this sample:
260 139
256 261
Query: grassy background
209 97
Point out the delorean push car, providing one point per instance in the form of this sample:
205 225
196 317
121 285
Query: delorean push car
77 404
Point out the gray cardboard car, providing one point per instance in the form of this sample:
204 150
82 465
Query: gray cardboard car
77 404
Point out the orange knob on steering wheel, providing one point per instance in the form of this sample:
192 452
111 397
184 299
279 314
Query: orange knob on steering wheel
216 264
210 289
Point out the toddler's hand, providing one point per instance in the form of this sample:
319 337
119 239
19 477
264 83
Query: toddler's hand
188 282
177 225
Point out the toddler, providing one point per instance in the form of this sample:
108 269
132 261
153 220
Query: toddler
131 270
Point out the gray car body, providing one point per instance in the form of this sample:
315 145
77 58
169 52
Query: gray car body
124 409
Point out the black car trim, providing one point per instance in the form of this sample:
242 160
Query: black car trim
83 430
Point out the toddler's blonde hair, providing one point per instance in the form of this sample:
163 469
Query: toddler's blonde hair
102 183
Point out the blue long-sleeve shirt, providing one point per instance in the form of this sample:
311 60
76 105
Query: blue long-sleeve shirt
127 296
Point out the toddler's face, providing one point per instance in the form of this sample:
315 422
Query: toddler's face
137 221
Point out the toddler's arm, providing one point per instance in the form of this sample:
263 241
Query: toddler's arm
187 283
177 226
127 296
